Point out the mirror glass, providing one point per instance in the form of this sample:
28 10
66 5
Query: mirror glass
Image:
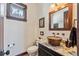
57 18
61 19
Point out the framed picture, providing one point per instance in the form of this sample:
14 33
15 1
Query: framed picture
16 11
41 22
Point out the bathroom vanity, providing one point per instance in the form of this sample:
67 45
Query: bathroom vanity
46 49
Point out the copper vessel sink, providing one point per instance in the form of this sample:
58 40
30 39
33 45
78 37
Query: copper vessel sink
54 40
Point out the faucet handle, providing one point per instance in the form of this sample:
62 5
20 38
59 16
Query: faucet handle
57 33
40 38
53 33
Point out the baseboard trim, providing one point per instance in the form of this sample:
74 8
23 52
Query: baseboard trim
22 54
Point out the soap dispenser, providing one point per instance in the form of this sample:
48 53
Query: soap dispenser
68 43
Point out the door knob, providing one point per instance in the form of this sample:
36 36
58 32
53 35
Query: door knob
2 53
7 52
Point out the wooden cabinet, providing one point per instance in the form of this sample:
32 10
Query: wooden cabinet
44 51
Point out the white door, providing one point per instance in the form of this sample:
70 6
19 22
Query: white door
1 36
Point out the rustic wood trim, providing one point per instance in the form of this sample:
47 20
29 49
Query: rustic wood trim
70 13
78 29
22 54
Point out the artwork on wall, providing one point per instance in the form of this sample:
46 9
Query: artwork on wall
16 11
41 22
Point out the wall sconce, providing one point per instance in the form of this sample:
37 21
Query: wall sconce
56 6
53 7
62 5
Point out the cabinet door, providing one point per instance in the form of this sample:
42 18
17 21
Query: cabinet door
42 52
45 51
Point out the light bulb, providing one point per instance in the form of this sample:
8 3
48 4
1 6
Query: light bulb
53 5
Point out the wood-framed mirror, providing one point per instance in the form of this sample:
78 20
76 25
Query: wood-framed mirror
61 19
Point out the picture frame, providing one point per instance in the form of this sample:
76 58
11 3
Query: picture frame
16 11
42 22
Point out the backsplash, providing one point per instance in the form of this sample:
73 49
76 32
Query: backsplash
63 34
